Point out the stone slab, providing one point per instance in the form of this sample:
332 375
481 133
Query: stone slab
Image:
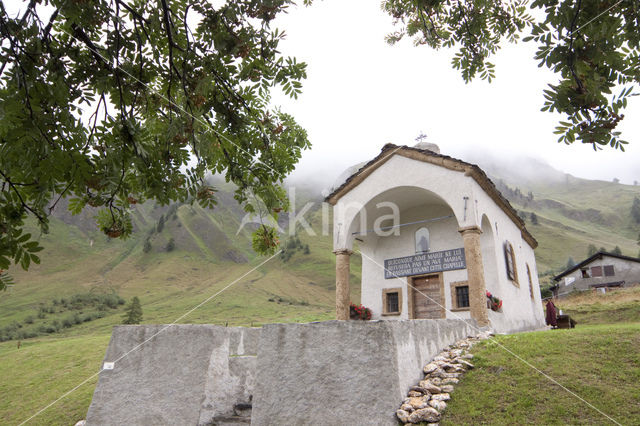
185 375
344 372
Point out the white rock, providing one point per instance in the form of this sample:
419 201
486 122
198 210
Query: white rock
420 390
466 364
438 405
407 407
450 381
427 414
429 386
429 368
447 389
419 402
403 416
452 368
441 397
81 423
439 373
485 335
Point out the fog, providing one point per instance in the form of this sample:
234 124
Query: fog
362 93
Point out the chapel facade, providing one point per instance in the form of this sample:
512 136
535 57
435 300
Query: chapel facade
434 235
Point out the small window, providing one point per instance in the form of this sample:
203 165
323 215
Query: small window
608 271
530 281
422 240
510 260
585 273
460 296
391 301
596 271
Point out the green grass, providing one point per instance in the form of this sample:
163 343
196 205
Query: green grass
595 308
599 313
43 370
600 363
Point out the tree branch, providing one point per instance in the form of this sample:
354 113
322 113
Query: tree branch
24 205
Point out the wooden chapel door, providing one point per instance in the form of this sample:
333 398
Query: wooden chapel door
427 297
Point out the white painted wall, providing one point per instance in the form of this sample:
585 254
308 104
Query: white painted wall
444 235
401 172
519 310
443 193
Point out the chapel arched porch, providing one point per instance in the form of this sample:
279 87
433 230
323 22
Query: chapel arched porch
405 209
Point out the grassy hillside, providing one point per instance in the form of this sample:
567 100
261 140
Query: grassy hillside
598 360
600 363
43 370
571 213
594 308
208 255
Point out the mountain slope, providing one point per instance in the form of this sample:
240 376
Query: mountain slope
571 213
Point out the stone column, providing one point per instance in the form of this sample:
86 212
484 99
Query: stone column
343 257
475 274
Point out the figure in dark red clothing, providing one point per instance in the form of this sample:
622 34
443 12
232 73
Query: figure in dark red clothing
552 319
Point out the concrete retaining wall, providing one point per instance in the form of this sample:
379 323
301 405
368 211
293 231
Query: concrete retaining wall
337 373
329 373
186 375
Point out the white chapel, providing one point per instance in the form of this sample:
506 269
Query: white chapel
435 235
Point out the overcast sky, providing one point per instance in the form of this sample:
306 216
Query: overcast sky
362 93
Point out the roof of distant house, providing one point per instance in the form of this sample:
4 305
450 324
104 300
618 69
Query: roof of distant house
598 255
438 159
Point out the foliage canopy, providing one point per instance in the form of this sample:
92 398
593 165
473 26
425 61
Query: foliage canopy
114 102
592 45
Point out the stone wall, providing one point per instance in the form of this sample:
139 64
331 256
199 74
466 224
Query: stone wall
186 375
329 373
337 373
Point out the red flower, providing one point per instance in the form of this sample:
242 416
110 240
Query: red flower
362 312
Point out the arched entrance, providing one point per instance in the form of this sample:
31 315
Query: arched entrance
413 251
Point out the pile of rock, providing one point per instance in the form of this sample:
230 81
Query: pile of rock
427 401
